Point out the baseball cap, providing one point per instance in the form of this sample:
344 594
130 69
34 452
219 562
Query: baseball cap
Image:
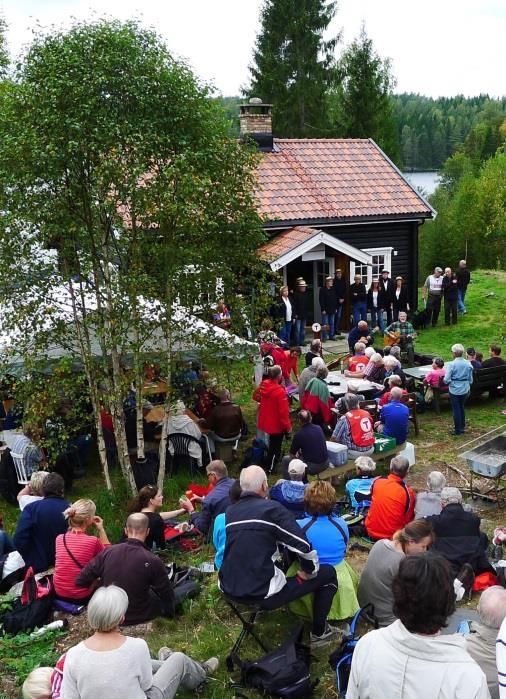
438 269
296 467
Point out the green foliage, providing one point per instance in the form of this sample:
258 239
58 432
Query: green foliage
293 65
21 654
4 55
362 104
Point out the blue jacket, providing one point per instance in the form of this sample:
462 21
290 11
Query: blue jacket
328 534
291 495
213 504
38 526
219 539
395 417
459 375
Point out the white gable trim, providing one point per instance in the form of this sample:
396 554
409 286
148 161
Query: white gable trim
321 238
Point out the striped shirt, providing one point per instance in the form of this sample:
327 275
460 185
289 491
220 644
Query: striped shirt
83 548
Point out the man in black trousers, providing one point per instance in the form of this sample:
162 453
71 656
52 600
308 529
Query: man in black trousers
450 295
386 287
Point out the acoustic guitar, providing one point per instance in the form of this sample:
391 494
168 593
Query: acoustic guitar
390 339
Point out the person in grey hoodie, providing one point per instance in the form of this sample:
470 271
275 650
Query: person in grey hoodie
290 493
410 659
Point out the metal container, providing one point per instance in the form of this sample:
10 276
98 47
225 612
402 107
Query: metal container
488 459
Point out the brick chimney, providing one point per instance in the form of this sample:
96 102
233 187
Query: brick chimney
255 119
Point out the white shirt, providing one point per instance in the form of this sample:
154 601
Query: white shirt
375 299
288 309
397 293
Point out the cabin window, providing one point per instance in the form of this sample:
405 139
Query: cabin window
381 258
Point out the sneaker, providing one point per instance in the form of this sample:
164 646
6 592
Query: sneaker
466 577
330 634
210 666
164 653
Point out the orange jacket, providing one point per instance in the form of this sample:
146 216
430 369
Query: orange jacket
392 507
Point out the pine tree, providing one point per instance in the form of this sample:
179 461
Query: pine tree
364 96
293 65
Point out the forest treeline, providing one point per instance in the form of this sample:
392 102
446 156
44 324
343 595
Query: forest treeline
429 130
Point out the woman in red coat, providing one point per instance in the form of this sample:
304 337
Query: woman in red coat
273 413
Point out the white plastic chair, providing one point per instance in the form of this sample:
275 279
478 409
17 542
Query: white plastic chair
19 465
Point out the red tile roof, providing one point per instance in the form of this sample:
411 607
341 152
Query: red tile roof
304 179
286 241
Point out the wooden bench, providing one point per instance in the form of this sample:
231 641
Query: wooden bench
488 378
330 473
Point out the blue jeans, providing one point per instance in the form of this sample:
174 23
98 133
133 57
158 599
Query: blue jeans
377 318
328 319
300 331
461 295
359 311
459 416
285 330
337 318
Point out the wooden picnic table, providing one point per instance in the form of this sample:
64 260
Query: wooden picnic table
155 388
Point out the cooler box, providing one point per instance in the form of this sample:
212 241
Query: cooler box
338 453
383 443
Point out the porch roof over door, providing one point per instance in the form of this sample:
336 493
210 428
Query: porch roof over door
294 242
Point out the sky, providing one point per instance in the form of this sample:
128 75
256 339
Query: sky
437 47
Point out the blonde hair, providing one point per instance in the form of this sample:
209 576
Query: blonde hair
36 481
79 512
38 684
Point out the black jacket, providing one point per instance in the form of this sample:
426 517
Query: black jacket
386 291
300 305
370 300
328 300
255 529
354 336
449 288
358 293
463 278
339 288
458 538
138 571
400 304
278 308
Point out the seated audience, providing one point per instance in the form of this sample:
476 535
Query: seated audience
410 658
481 641
290 493
149 500
33 490
365 467
138 571
308 444
181 423
394 418
109 664
428 502
309 373
358 362
404 333
315 350
40 523
225 420
382 564
458 535
434 379
76 548
495 358
360 333
375 371
471 357
264 526
392 381
328 534
215 502
317 398
393 368
219 527
26 444
354 429
44 682
393 502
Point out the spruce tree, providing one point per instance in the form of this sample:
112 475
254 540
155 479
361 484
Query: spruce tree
364 105
294 66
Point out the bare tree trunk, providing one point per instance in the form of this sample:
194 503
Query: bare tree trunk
168 378
139 385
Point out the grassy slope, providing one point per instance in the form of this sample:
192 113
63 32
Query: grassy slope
208 628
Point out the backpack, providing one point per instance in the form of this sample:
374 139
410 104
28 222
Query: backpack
284 672
12 568
34 608
340 659
255 454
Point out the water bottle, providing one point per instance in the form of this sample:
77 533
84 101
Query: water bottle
58 624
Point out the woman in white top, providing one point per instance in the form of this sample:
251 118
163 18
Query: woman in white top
373 306
109 664
285 314
400 300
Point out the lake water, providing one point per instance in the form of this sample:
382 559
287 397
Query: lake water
425 181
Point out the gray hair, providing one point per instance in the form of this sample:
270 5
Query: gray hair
390 360
316 362
376 358
37 481
436 481
492 606
38 684
394 380
395 393
395 351
451 496
274 371
225 395
351 401
400 466
107 608
252 479
322 372
458 350
365 464
359 347
218 467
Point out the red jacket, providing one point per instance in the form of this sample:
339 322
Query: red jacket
392 507
279 357
274 412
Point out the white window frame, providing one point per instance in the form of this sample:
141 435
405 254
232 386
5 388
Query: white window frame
386 252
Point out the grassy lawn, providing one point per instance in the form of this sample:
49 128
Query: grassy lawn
207 627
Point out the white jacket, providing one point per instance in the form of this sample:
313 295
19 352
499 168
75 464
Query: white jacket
393 663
